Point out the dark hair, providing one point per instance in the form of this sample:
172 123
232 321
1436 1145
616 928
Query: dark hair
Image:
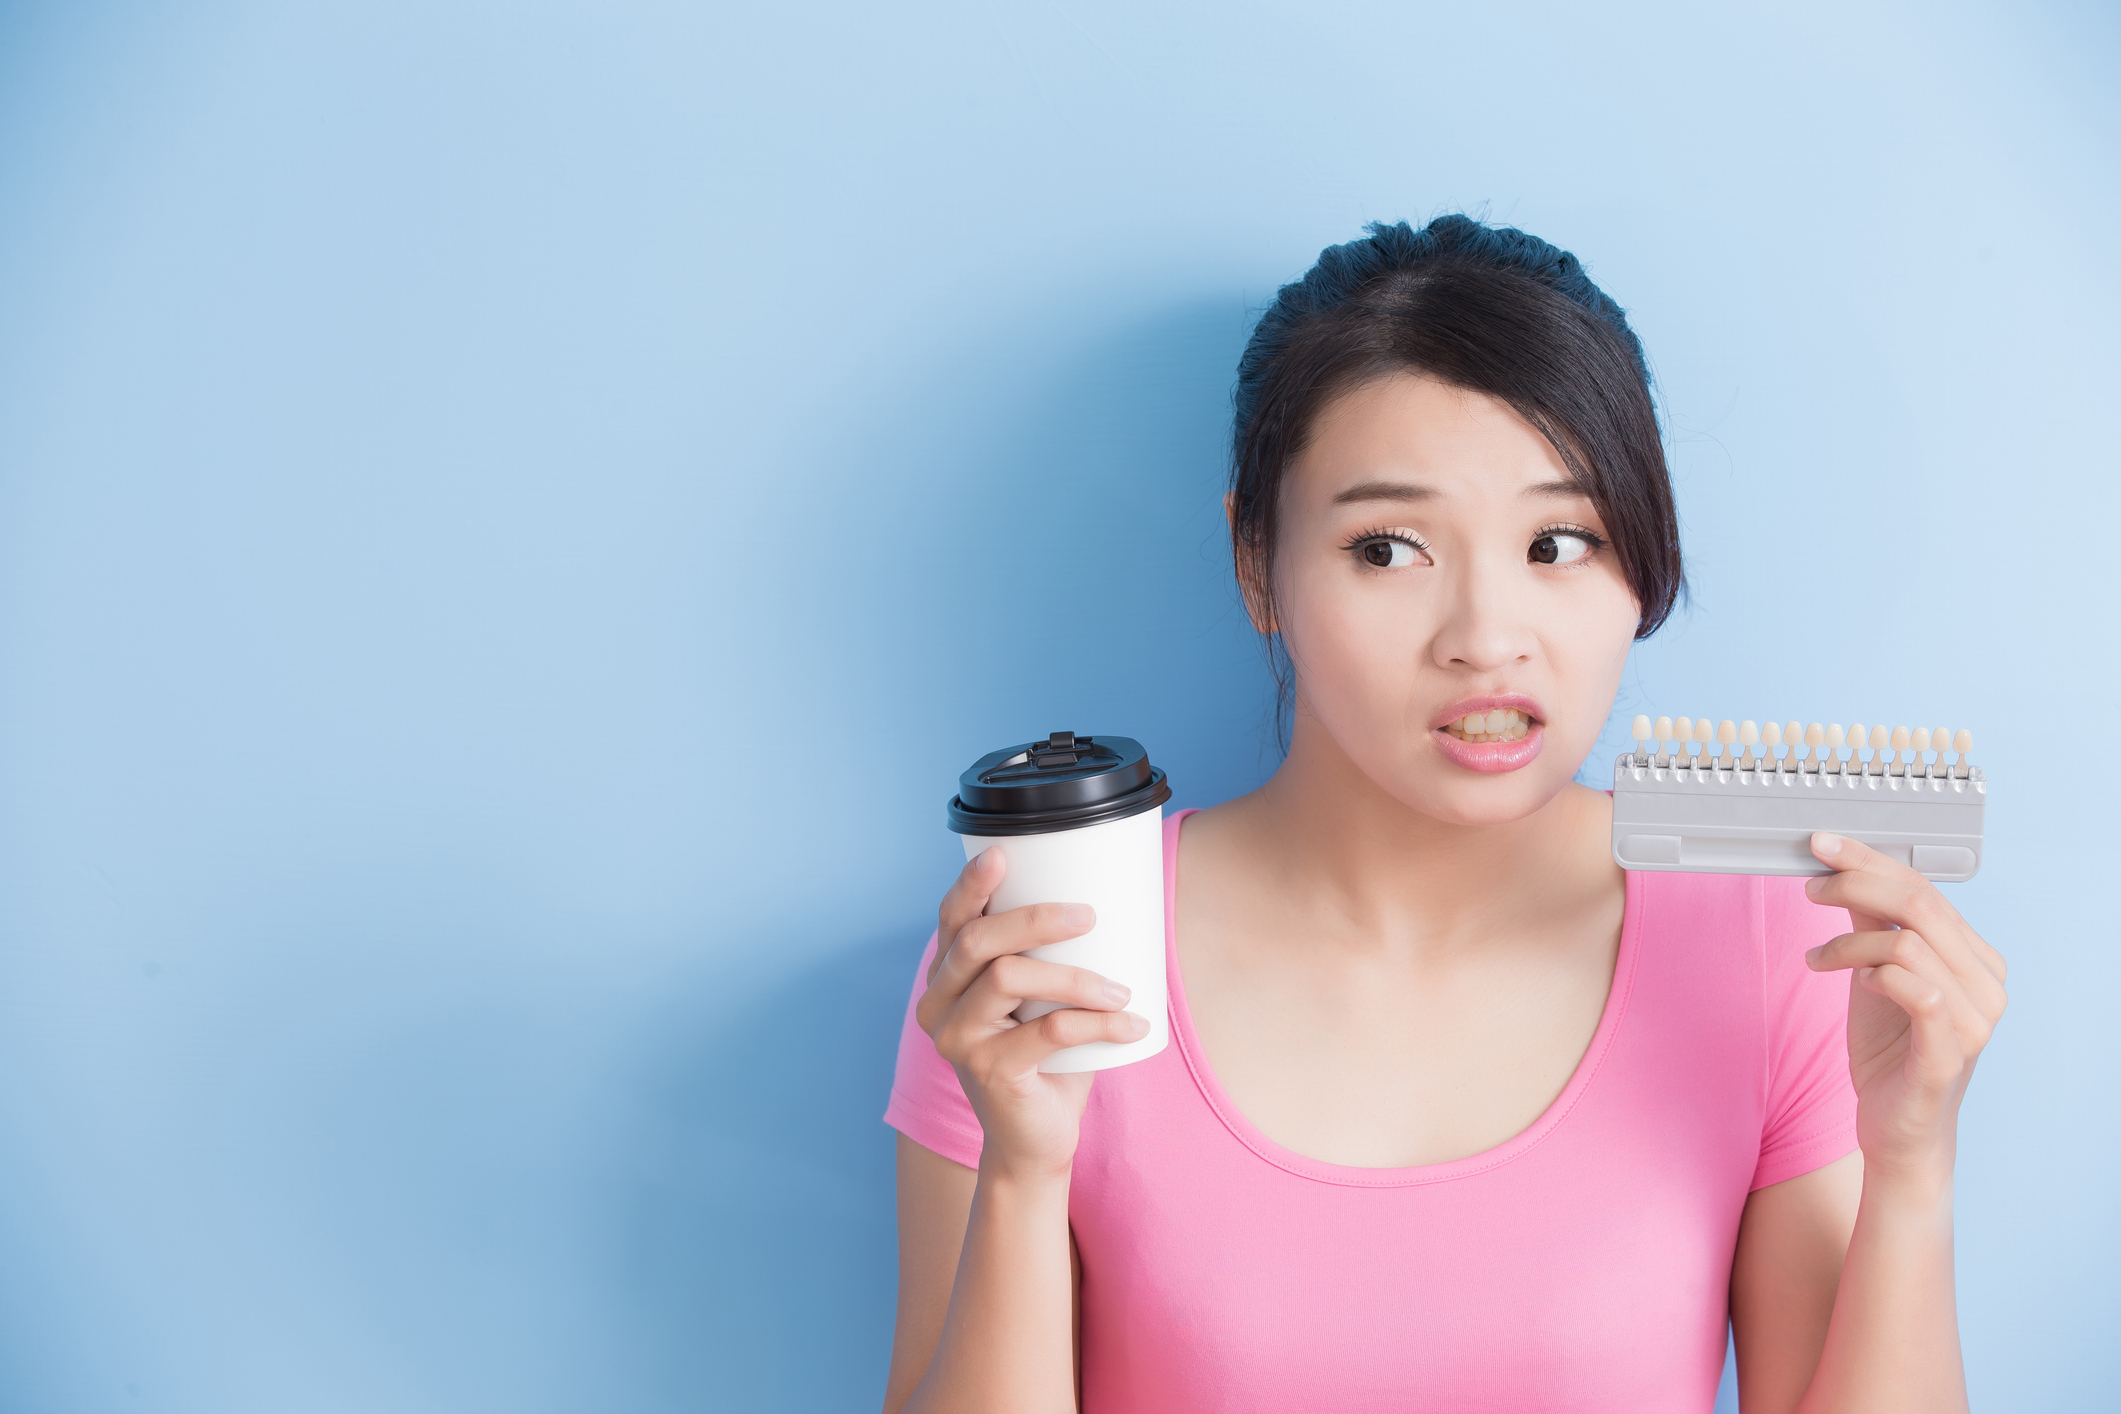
1485 308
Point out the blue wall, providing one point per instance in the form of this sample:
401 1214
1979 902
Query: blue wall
512 517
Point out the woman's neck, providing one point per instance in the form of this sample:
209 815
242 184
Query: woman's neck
1342 848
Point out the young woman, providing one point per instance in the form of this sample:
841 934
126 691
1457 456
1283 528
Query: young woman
1457 1115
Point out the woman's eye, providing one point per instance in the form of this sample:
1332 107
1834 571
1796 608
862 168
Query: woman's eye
1560 548
1390 554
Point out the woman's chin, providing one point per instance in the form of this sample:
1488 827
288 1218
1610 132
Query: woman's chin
1485 783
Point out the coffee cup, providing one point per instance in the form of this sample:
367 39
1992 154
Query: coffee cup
1080 820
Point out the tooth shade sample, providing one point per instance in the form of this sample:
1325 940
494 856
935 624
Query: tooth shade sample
1771 736
1879 738
1856 739
1901 738
1664 729
1749 733
1963 743
1941 740
1704 730
1920 739
1815 735
1642 729
1835 736
1683 729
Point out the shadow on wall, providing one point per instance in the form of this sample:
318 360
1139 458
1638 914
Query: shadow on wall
756 1171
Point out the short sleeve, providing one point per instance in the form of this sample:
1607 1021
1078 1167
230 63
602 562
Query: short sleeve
928 1105
1811 1103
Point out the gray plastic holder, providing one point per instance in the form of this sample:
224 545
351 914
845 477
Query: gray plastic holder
1701 820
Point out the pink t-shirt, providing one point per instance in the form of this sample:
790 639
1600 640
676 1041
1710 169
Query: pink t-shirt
1583 1265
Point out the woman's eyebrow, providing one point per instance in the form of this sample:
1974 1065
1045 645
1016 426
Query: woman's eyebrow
1384 491
1556 488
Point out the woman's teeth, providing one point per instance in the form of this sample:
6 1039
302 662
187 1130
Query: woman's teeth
1502 724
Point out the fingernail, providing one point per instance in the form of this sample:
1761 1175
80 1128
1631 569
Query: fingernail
1078 915
1116 994
979 861
1137 1026
1811 955
1826 846
1813 885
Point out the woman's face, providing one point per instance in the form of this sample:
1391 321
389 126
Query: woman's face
1456 620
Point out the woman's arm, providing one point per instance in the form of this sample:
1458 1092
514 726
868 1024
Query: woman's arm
1927 994
999 1328
1792 1245
987 1285
934 1211
934 1206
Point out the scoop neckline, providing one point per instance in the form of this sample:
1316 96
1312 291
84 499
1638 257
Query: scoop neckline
1351 1176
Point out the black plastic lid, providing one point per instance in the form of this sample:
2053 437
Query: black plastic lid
1062 783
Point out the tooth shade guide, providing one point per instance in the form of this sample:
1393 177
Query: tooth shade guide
1745 822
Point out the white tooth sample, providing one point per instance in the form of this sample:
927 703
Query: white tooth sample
1858 734
1664 729
1749 738
1900 738
1496 722
1815 735
1919 739
1727 731
1940 742
1683 730
1641 730
1964 745
1880 738
1793 737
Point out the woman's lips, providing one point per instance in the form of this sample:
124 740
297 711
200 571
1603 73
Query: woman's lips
1491 756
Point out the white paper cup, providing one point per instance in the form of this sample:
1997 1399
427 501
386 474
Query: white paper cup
1085 827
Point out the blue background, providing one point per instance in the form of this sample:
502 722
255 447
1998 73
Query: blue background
513 516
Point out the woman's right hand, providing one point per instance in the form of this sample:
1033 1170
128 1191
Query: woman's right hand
979 977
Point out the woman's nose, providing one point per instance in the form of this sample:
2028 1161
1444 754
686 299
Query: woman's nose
1481 633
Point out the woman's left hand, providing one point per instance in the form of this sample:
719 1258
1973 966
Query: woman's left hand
1928 992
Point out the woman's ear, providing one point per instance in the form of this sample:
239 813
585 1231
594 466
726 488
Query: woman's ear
1256 602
